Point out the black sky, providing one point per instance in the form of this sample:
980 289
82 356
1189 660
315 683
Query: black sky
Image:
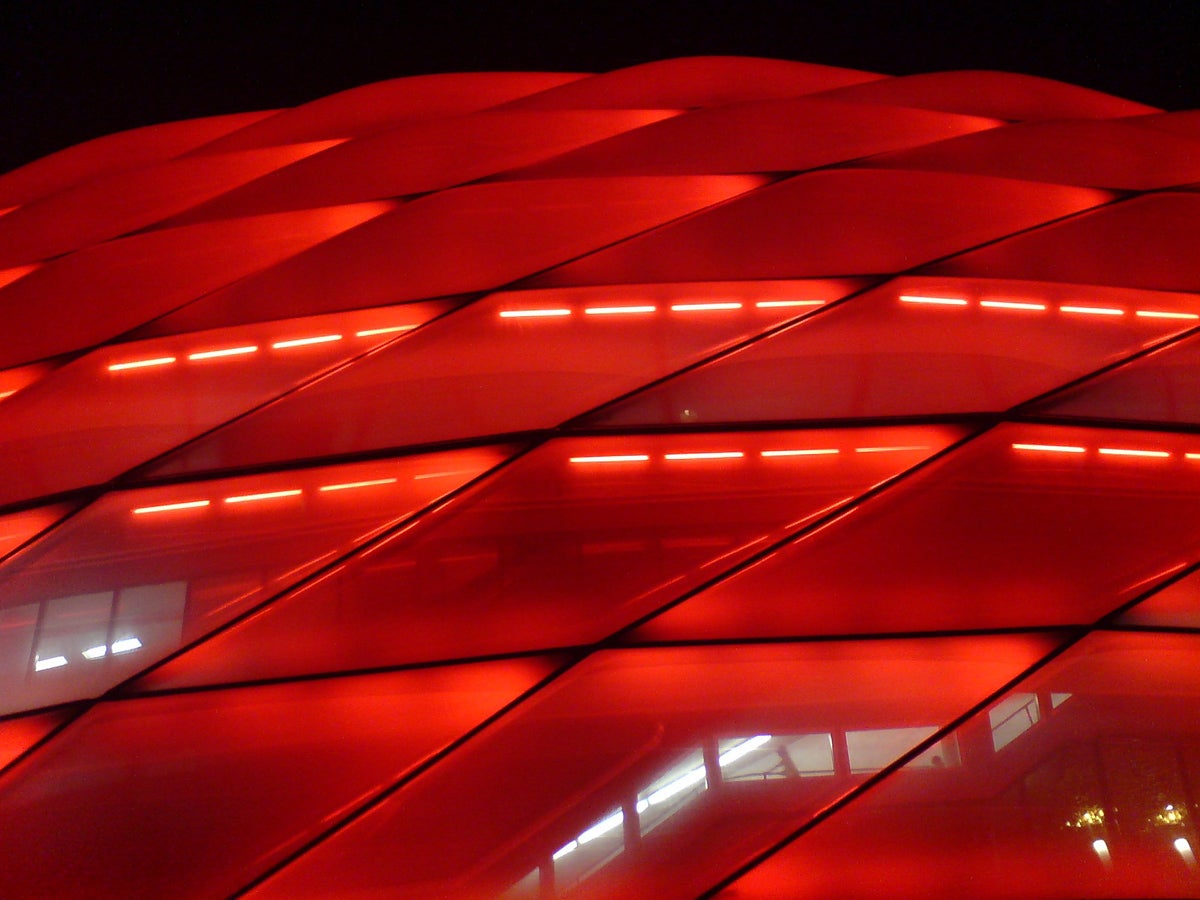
74 70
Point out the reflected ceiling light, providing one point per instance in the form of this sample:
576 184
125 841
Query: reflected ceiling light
304 342
350 485
1092 310
626 457
1048 448
780 304
372 332
1012 304
51 662
1120 451
713 454
909 447
97 652
168 507
1162 314
618 310
269 495
141 363
533 313
125 645
933 301
704 307
820 451
217 354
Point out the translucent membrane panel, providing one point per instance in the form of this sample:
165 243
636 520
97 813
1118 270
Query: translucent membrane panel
651 773
237 779
385 104
1177 605
19 733
1024 526
1094 798
837 222
1147 242
20 527
13 381
1185 123
568 544
508 363
1001 95
425 156
1163 387
1109 154
917 346
131 281
112 205
469 239
759 136
114 153
695 81
124 404
140 573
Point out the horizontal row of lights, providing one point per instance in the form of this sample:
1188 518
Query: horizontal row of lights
738 454
1182 846
1027 306
1071 449
267 495
644 309
247 349
125 645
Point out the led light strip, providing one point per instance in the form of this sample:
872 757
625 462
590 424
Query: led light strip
1135 452
1030 306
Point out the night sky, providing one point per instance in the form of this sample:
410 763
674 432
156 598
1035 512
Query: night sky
72 71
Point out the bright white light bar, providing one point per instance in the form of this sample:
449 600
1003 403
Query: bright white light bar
777 304
168 507
371 332
270 495
125 645
142 363
304 342
1120 451
232 351
629 457
1093 310
618 310
1048 448
1012 304
682 783
935 301
51 662
888 449
1162 314
822 451
703 307
733 754
565 849
1101 847
715 454
1191 456
97 652
603 827
532 313
349 485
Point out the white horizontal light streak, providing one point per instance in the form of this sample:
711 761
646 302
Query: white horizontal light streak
532 313
231 351
97 652
934 301
1124 451
624 457
777 304
50 662
350 485
126 645
304 342
268 495
392 329
168 507
602 827
1163 314
565 849
1191 456
142 363
709 454
618 310
1012 304
820 451
733 754
704 307
1093 310
888 449
1048 448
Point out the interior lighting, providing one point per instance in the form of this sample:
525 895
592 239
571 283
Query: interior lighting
1048 448
1101 847
629 457
820 451
601 828
934 301
618 310
778 304
168 507
733 754
216 354
703 307
1011 304
1093 310
1119 451
97 652
50 662
304 342
371 332
1191 456
126 645
887 449
269 495
1162 314
714 454
350 485
565 849
533 313
141 363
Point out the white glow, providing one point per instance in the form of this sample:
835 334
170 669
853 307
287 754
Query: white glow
1184 848
4 394
125 645
1010 304
270 495
1163 314
703 307
1101 847
142 363
682 783
733 754
97 652
216 354
776 304
618 310
1093 310
822 451
565 849
304 342
350 485
887 449
629 457
716 454
371 332
532 313
1120 451
51 662
167 507
1048 448
1191 455
936 301
601 828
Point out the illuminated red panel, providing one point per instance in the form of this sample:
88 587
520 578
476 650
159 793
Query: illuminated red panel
237 778
761 136
19 527
654 772
124 404
565 546
1115 157
386 104
1079 783
1148 242
510 362
424 156
886 221
19 733
1175 606
1185 123
140 573
131 281
1025 525
1000 95
114 153
917 346
1163 387
8 276
694 81
109 206
467 239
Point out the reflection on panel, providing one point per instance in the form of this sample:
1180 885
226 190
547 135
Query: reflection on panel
1176 606
1080 783
1025 525
195 794
137 574
19 527
19 733
568 544
653 772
